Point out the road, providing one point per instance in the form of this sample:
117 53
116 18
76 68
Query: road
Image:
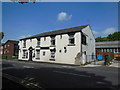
49 75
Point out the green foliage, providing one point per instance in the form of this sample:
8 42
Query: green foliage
1 35
9 57
111 37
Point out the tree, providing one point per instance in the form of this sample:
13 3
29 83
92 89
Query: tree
114 37
111 37
100 39
1 35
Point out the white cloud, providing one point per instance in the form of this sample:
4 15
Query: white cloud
109 31
94 32
63 16
24 36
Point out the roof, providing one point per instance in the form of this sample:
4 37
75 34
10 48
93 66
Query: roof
108 44
12 41
56 32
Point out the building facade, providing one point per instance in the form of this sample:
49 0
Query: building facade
1 48
10 48
74 45
104 48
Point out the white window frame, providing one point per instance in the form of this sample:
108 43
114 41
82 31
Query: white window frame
37 53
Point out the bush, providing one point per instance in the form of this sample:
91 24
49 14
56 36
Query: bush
9 57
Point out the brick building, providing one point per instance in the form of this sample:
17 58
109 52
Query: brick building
108 47
10 48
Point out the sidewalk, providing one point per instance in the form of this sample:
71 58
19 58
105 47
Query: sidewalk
101 63
114 64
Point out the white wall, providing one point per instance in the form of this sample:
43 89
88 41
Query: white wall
72 51
90 47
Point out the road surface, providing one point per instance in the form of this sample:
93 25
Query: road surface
49 75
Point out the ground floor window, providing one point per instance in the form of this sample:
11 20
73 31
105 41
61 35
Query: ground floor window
25 54
52 54
119 50
43 53
37 53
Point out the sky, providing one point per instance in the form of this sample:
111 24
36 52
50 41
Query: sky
23 20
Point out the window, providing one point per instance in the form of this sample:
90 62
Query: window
44 38
52 54
107 50
44 53
115 49
118 49
25 54
52 40
5 46
84 39
38 41
16 53
24 43
30 40
8 45
15 45
8 51
91 41
38 54
71 39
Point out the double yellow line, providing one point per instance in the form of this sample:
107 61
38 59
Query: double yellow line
22 82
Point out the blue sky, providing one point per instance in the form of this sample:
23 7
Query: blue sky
22 20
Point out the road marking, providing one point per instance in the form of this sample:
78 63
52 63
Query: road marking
5 68
22 81
72 74
28 67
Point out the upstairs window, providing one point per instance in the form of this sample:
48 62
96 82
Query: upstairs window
38 41
84 39
24 43
44 38
71 39
52 40
30 40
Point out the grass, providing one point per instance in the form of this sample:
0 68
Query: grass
8 57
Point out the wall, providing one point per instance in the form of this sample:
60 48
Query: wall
8 49
90 47
72 51
61 57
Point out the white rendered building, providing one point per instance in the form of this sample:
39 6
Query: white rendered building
74 45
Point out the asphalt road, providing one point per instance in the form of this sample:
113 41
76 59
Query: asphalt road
48 75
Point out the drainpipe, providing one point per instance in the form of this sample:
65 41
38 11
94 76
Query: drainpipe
81 45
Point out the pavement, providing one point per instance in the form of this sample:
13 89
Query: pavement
92 64
101 63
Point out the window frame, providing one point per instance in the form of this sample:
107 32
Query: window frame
84 39
38 41
24 43
37 54
71 39
43 53
53 41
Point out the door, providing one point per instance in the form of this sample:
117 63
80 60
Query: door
30 53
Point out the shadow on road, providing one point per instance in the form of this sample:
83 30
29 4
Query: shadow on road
61 78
